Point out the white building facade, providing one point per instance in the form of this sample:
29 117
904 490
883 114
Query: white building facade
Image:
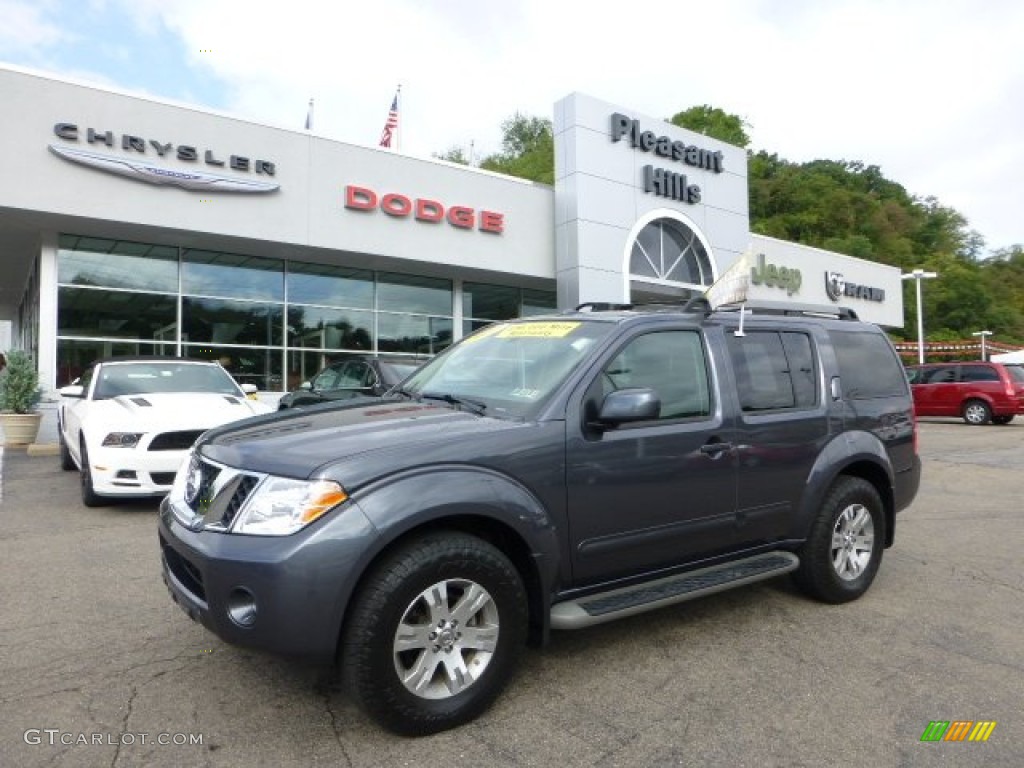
133 226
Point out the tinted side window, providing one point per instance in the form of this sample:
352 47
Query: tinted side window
978 373
773 370
939 375
868 365
669 362
1016 372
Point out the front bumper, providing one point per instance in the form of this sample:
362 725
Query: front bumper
133 472
283 594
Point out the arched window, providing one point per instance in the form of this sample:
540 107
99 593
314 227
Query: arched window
667 251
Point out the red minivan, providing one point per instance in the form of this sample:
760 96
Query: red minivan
978 392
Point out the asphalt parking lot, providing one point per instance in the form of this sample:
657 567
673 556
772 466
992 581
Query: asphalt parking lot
98 666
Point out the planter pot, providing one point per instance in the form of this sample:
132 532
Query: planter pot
20 428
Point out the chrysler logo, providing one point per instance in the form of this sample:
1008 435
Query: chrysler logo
143 170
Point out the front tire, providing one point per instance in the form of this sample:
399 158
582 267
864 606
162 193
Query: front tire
434 633
841 556
89 496
67 463
977 413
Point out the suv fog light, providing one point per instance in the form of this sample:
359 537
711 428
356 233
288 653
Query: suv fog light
242 607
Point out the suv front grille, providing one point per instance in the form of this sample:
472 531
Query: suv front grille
221 492
175 441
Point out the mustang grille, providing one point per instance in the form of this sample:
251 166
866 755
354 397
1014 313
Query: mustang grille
175 441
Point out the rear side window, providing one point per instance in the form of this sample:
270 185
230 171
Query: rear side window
868 365
773 370
1016 372
978 373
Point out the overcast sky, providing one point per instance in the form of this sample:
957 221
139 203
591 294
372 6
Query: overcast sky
932 91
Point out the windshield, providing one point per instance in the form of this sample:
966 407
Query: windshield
149 378
509 367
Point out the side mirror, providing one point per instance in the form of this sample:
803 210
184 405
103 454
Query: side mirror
306 386
628 405
72 390
250 391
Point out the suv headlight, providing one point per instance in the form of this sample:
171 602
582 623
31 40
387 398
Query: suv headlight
280 506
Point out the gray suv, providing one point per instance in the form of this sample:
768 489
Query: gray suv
548 473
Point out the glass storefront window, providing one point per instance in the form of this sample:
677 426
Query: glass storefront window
415 334
210 273
119 314
409 293
330 286
490 302
324 328
117 264
218 321
75 355
538 303
248 365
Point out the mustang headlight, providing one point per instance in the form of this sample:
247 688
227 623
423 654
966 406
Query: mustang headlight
122 439
280 506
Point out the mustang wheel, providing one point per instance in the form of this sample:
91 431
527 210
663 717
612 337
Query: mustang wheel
89 496
435 633
841 556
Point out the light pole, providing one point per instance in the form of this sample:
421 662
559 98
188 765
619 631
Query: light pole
917 276
983 335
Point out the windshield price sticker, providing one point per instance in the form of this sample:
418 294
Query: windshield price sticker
538 331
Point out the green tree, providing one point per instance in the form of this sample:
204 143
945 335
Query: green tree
453 154
714 122
528 150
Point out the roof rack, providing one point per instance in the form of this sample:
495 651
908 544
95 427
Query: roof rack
789 308
695 304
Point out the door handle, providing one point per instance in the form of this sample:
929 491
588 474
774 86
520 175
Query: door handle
714 450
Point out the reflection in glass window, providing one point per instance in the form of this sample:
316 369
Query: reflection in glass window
538 302
118 314
409 293
117 264
247 365
323 328
672 364
490 302
217 321
210 273
331 286
75 356
413 333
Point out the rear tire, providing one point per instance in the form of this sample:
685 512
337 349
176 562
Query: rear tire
434 633
977 412
841 556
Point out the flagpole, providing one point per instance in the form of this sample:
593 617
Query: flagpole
398 128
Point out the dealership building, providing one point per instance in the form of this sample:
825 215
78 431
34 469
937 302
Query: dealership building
130 225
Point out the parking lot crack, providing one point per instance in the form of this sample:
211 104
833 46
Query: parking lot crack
325 692
124 724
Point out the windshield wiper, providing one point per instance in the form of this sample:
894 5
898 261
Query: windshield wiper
476 405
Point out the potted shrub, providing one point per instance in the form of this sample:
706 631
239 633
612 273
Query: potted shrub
19 396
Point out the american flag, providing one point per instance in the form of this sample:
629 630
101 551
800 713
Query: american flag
391 126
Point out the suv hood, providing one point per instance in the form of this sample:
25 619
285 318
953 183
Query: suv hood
353 443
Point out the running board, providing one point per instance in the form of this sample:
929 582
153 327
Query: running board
617 603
